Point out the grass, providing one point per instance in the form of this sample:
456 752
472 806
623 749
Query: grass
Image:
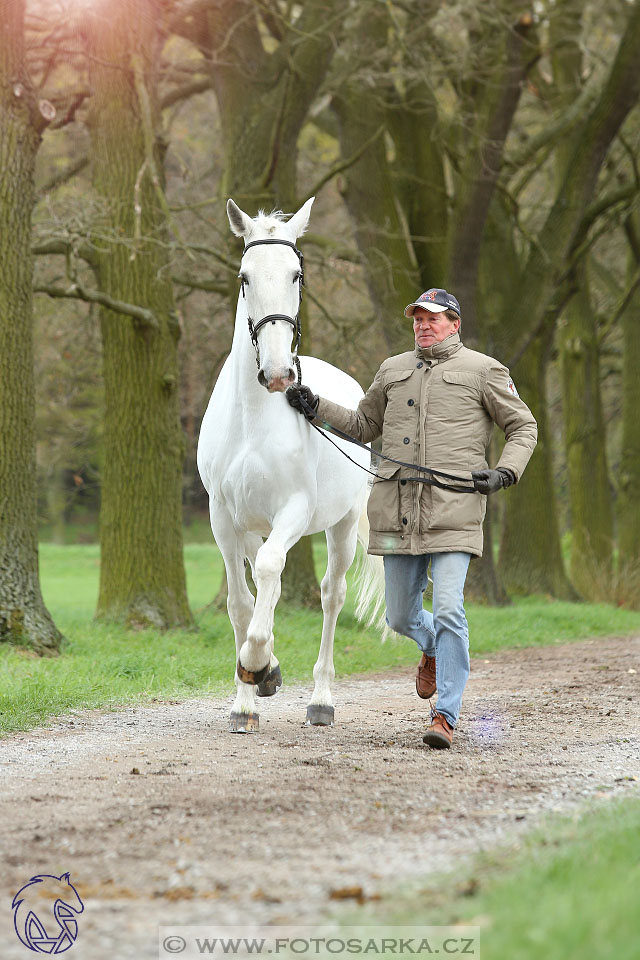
567 892
103 665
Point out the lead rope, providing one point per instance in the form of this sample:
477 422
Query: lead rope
430 480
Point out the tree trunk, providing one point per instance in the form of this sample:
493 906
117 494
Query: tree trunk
584 435
381 238
142 578
506 55
57 503
628 505
299 582
591 564
530 554
24 619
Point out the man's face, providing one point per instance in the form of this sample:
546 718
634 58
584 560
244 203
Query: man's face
430 328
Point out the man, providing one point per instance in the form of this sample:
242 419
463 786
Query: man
434 406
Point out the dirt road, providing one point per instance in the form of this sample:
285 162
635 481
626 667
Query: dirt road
162 816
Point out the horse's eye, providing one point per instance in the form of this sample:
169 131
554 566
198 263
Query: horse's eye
242 278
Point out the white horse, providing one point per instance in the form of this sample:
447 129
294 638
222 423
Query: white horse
270 477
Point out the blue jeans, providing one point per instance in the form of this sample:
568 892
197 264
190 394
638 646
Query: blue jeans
443 634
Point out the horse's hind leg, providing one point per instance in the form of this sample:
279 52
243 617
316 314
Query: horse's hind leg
244 717
341 549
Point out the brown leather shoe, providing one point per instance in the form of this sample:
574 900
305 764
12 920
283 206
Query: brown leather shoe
426 677
440 733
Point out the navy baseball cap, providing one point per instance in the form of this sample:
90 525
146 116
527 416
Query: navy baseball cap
436 300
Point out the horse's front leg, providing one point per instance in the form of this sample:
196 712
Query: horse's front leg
255 660
244 716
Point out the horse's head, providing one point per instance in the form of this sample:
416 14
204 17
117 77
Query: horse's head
271 277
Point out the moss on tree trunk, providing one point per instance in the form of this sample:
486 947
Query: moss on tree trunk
142 579
628 505
530 554
24 619
590 500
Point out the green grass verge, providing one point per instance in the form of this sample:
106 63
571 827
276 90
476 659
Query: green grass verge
569 892
103 664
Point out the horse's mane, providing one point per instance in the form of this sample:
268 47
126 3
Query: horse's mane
270 221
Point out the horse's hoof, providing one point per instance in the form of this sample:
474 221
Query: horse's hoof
320 715
271 683
244 722
251 676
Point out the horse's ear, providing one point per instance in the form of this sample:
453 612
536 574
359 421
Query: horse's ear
298 222
240 223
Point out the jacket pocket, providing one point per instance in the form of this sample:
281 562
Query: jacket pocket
460 512
465 379
396 376
383 508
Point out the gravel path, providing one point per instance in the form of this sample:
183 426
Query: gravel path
161 816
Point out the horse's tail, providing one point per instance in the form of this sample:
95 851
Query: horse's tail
370 605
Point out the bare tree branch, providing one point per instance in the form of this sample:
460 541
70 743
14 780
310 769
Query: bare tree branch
63 176
183 93
345 164
623 194
566 121
216 254
64 248
622 305
210 286
76 292
71 111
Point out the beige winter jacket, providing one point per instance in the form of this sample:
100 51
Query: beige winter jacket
435 407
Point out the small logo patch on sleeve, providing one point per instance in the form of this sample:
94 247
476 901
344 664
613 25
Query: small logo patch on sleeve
512 387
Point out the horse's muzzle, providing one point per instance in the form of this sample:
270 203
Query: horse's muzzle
279 383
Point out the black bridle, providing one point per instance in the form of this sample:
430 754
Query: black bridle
254 328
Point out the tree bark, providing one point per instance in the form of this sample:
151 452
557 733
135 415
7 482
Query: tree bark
591 562
590 494
628 503
24 619
419 180
142 578
530 554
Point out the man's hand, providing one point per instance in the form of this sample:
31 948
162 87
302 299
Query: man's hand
490 481
297 393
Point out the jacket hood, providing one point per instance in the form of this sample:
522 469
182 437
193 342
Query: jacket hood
442 350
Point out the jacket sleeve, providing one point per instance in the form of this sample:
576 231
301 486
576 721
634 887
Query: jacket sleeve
364 423
513 417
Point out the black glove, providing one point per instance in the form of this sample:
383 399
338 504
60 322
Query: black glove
490 481
297 393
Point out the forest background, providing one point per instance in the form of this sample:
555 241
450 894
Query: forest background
490 147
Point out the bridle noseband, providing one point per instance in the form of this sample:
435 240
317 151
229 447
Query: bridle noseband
254 328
